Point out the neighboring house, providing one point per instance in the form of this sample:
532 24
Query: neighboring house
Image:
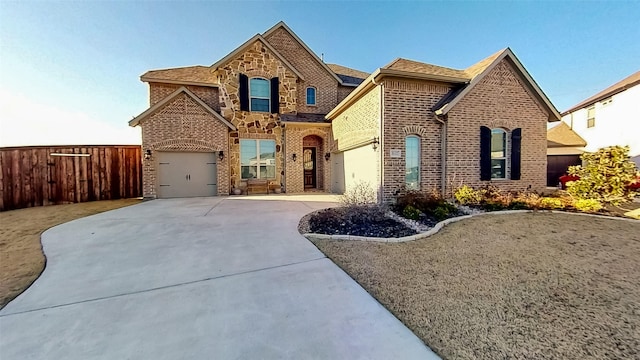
610 117
564 148
271 110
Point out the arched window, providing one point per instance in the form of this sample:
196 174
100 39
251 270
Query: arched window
259 94
498 154
311 95
412 162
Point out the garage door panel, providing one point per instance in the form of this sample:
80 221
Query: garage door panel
185 174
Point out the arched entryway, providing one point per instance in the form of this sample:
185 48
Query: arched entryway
313 163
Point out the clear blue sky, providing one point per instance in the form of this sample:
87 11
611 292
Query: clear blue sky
69 71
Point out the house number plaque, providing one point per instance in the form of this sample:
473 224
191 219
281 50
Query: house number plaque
394 153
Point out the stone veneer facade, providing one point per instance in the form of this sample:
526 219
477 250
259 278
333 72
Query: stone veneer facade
256 61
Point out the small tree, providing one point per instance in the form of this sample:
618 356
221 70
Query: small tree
605 176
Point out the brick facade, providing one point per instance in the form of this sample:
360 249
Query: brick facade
407 111
182 125
209 95
314 73
388 110
296 137
500 100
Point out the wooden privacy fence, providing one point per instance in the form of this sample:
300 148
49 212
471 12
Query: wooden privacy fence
47 175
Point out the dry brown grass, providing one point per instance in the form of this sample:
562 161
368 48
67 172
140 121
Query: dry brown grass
21 257
535 285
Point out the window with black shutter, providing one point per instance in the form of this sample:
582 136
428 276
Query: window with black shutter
243 90
516 144
485 153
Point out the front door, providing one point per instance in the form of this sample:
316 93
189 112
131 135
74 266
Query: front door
309 156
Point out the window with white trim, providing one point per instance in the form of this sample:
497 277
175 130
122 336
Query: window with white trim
311 95
260 94
412 162
498 154
591 117
257 159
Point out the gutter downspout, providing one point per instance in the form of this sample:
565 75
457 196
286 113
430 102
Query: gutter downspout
381 136
443 154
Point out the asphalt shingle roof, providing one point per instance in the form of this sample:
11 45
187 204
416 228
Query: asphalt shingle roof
196 74
561 135
630 81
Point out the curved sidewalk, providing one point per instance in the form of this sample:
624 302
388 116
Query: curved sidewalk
224 278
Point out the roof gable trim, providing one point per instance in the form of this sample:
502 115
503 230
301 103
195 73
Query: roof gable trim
554 115
284 26
160 104
240 49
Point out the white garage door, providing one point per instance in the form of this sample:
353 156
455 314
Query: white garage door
185 174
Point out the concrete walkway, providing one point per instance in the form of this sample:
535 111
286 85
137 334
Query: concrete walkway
214 278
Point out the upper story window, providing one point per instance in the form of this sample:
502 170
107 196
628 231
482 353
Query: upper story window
311 95
498 154
591 117
412 162
259 93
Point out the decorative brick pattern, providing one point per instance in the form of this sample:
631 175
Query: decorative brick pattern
314 74
209 95
182 125
500 100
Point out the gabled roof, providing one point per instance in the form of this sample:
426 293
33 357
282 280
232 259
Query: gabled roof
282 25
478 71
242 48
462 81
160 104
422 68
559 134
188 75
620 86
349 77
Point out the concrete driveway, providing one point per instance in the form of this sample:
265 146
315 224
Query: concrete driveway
216 278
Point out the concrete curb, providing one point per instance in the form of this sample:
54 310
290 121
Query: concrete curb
442 224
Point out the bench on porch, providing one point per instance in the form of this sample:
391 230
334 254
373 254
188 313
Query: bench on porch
257 185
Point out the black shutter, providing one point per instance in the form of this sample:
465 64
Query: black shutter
275 96
485 153
516 143
243 89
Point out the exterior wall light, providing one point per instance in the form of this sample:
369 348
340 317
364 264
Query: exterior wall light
294 157
147 154
327 156
375 143
221 155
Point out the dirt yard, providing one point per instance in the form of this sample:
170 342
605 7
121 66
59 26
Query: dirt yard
21 258
535 286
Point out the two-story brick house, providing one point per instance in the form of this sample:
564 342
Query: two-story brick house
273 111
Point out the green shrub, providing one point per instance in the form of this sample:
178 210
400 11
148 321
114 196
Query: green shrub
423 201
605 177
519 205
587 205
551 203
410 212
466 195
444 211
